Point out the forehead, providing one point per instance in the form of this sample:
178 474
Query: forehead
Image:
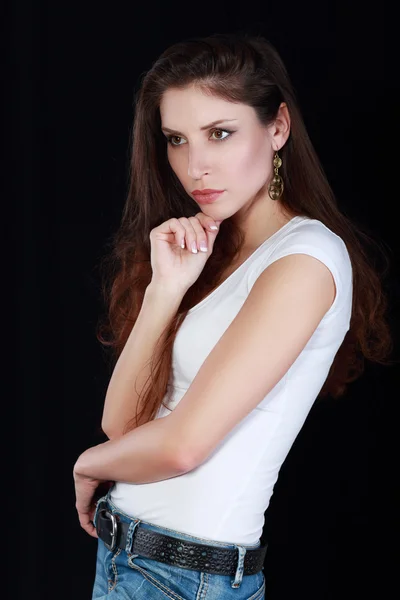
179 107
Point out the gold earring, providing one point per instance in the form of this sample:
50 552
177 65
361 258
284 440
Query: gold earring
275 188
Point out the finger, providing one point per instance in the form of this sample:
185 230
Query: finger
208 222
87 524
202 240
170 231
190 234
180 232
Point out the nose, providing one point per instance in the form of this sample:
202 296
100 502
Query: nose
197 164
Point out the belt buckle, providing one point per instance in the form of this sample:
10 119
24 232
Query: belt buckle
110 515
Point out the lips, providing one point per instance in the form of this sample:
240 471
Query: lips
203 198
206 191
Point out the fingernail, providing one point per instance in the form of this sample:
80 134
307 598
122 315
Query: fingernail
213 227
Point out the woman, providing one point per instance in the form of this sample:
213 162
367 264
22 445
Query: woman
229 313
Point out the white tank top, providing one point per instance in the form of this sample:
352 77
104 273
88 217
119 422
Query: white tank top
225 498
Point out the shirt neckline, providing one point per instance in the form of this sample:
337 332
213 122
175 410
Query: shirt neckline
271 237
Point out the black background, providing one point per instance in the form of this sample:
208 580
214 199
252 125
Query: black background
70 72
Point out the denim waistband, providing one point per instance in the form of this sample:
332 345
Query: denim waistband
176 534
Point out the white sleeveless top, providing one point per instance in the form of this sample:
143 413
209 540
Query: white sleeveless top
224 499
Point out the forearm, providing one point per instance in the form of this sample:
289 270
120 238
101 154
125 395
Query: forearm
143 455
132 369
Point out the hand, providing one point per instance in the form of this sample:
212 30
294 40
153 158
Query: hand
173 265
87 493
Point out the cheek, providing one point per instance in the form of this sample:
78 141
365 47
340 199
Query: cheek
249 165
179 166
173 162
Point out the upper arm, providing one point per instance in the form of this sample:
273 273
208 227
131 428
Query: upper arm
280 314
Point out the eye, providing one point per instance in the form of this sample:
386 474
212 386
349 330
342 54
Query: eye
229 132
222 131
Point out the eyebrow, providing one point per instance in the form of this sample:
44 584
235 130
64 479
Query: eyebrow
201 128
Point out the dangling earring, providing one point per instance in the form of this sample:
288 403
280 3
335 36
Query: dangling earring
275 188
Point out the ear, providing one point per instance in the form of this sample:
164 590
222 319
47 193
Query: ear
280 129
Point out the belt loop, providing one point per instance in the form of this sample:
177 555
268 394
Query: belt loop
240 567
129 537
99 501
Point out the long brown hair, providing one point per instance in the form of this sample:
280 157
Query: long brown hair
245 68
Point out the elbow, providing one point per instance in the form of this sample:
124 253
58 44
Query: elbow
178 458
105 429
112 433
184 462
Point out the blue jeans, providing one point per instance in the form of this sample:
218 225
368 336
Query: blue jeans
120 574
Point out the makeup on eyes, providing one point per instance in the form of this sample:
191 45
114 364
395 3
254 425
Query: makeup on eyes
228 131
204 128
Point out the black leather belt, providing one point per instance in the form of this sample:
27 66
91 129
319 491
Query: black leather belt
175 551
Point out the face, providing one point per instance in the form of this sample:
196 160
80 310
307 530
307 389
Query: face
234 155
